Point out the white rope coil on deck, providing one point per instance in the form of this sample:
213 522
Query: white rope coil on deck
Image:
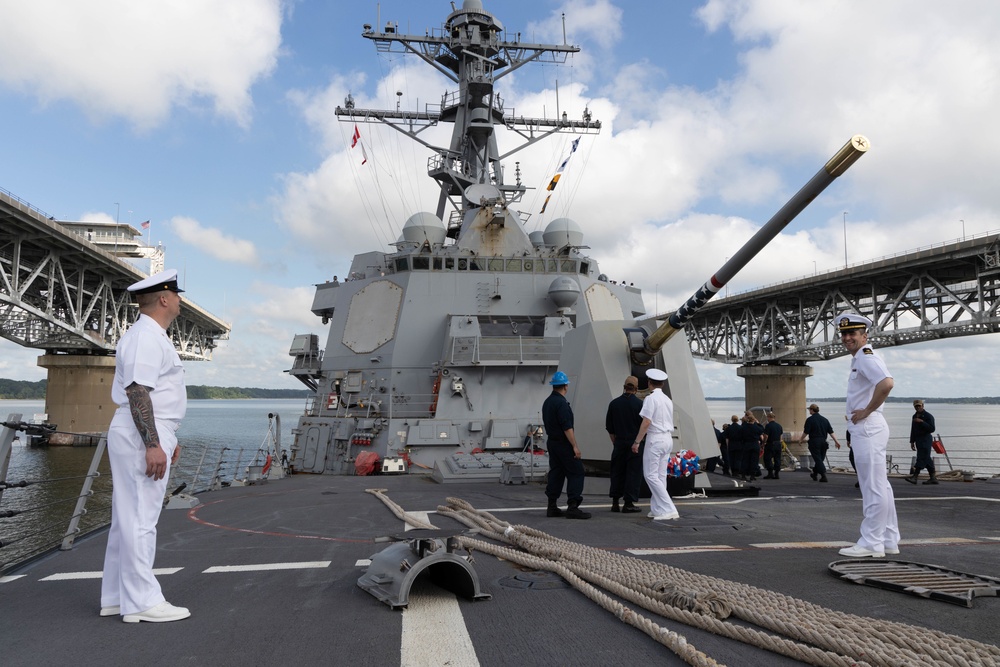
779 623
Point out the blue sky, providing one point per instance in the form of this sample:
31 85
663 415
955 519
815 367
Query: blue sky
214 120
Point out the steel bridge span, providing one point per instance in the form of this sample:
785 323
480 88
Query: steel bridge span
772 332
64 295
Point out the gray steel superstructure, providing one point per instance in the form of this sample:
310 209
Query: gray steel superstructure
445 346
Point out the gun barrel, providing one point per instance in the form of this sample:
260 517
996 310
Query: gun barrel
835 166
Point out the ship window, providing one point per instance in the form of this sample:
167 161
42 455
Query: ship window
421 263
449 264
437 263
584 268
568 266
494 265
527 265
463 264
401 264
515 265
475 265
553 266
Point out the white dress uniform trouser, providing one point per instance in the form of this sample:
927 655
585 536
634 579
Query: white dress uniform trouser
879 528
655 457
136 501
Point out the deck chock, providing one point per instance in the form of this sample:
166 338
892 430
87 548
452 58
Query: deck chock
394 569
180 501
929 581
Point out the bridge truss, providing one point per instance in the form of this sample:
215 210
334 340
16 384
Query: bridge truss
928 294
62 294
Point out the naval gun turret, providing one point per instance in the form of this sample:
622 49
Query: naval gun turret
601 357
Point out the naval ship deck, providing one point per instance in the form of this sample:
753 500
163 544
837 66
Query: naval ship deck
270 574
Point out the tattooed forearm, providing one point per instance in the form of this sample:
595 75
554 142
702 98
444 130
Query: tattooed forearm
141 406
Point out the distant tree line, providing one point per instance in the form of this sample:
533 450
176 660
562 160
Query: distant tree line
28 391
204 391
22 390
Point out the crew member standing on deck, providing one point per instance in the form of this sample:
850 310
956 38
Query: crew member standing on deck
564 454
657 427
922 440
868 386
622 423
816 428
142 444
772 447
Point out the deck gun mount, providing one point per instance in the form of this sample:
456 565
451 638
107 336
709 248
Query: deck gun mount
599 379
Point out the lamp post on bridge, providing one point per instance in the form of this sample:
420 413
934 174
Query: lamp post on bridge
845 239
963 229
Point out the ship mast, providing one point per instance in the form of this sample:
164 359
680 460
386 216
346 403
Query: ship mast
473 51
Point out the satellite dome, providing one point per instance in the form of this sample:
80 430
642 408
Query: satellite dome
562 232
564 292
537 238
422 227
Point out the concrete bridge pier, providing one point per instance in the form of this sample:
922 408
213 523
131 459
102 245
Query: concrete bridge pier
784 389
78 394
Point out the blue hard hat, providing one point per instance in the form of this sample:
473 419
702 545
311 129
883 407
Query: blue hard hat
559 379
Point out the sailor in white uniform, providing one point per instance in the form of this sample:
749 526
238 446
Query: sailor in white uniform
149 390
868 386
657 427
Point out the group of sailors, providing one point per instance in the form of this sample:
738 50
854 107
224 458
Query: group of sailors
740 444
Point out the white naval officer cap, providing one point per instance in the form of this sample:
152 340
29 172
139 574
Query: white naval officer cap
852 321
656 375
164 280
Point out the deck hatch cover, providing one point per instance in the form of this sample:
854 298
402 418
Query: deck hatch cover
929 581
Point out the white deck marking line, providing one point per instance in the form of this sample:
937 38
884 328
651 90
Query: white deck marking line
434 631
939 540
11 577
679 550
66 576
802 545
363 562
264 567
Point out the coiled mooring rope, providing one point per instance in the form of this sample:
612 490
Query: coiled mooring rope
772 621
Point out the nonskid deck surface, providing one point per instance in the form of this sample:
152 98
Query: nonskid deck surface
270 575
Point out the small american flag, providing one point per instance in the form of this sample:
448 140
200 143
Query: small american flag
145 225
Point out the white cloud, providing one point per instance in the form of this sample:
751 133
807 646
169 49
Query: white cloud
214 241
139 60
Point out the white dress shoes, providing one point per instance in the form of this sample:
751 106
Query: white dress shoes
861 552
667 517
891 552
111 611
161 613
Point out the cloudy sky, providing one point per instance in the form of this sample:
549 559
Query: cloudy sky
214 120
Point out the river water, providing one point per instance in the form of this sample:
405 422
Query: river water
971 434
44 509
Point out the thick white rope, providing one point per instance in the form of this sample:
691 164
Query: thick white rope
772 621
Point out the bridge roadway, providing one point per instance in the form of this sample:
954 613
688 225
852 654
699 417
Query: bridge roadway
931 293
62 294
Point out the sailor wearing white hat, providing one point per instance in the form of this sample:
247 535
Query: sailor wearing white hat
149 390
158 282
868 386
657 426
